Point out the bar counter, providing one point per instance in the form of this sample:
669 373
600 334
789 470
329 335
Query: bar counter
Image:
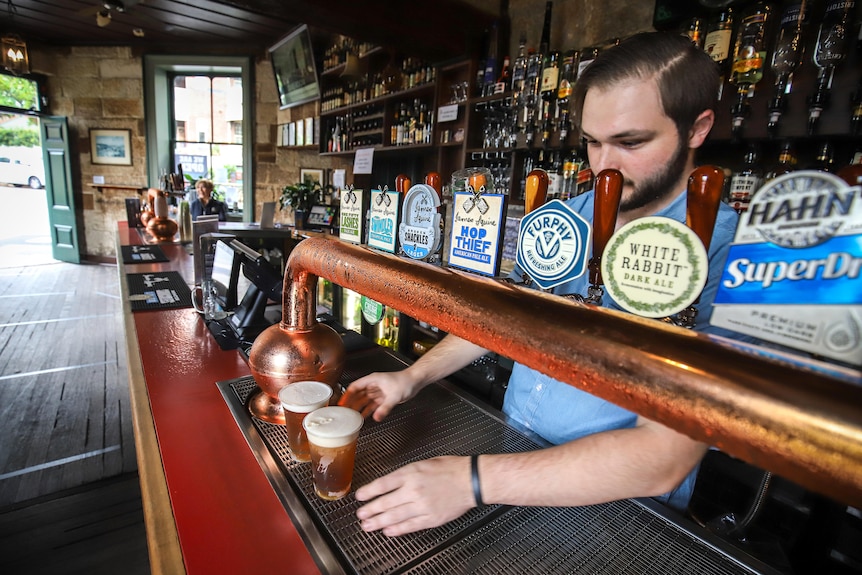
220 497
207 506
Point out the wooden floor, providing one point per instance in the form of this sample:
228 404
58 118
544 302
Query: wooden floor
69 495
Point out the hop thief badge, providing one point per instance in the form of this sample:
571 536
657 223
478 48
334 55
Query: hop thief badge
654 267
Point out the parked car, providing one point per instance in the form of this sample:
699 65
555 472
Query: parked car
16 172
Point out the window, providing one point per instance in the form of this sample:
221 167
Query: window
211 108
197 109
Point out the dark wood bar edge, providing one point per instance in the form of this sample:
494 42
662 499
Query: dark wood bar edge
162 539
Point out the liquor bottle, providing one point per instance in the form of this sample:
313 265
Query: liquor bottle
829 51
588 54
745 182
852 173
719 33
856 108
786 57
519 70
530 96
490 63
564 92
786 162
749 55
570 174
825 160
548 92
695 33
585 178
504 79
529 165
554 168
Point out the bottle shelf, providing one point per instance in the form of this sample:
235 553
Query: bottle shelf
401 94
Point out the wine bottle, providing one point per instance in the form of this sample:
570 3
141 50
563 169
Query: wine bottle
564 92
825 160
829 51
719 33
695 33
548 92
786 162
786 57
519 70
746 181
504 79
749 55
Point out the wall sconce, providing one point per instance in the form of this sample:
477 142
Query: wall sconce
13 54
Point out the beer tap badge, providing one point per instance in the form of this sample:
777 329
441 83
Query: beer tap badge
351 215
792 272
383 219
419 231
478 224
654 267
553 243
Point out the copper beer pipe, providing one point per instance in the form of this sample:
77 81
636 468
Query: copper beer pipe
804 426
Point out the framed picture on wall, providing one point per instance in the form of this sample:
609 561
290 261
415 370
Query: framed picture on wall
312 174
112 147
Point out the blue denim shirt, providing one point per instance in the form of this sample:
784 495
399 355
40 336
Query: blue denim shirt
559 412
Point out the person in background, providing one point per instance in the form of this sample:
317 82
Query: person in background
205 205
643 107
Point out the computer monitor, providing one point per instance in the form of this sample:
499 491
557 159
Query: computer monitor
254 314
225 275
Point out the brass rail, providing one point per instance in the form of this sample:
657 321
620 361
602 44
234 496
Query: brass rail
803 426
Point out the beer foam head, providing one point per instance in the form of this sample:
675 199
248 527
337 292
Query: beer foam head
332 426
304 396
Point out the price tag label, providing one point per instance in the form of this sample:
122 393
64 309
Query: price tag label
447 113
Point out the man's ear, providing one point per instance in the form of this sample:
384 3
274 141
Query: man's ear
700 129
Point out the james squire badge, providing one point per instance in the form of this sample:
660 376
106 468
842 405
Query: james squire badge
654 267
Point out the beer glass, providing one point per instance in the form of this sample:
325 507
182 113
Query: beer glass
299 399
332 434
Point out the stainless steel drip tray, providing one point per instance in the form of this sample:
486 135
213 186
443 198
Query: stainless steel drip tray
620 537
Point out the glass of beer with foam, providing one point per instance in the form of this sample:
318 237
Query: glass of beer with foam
298 400
332 434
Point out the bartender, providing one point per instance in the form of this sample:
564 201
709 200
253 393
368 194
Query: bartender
204 204
644 107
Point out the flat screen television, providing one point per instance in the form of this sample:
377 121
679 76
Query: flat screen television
295 72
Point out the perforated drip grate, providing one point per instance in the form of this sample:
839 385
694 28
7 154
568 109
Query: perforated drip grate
621 537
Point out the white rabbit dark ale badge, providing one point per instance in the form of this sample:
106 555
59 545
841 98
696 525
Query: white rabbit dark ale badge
792 272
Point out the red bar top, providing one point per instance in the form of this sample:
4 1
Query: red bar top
228 518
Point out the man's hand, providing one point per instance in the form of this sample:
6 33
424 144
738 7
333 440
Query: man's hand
378 393
417 496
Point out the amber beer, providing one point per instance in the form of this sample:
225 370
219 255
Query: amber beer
298 400
332 434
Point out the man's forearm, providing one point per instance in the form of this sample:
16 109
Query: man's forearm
643 461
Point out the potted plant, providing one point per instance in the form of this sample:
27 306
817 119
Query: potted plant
301 197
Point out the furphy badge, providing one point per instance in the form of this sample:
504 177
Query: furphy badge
419 232
654 267
553 243
792 271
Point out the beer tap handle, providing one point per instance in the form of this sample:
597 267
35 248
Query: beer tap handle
434 180
609 187
705 185
535 191
402 183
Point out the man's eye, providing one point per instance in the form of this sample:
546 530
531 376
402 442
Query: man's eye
631 144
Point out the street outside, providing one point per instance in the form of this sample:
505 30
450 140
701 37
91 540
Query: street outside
25 234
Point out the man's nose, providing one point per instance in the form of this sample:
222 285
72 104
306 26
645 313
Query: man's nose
603 158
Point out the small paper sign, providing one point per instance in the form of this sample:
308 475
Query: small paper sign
447 113
363 161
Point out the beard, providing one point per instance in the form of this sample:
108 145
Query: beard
658 185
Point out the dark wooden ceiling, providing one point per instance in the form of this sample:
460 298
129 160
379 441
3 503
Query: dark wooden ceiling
435 29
